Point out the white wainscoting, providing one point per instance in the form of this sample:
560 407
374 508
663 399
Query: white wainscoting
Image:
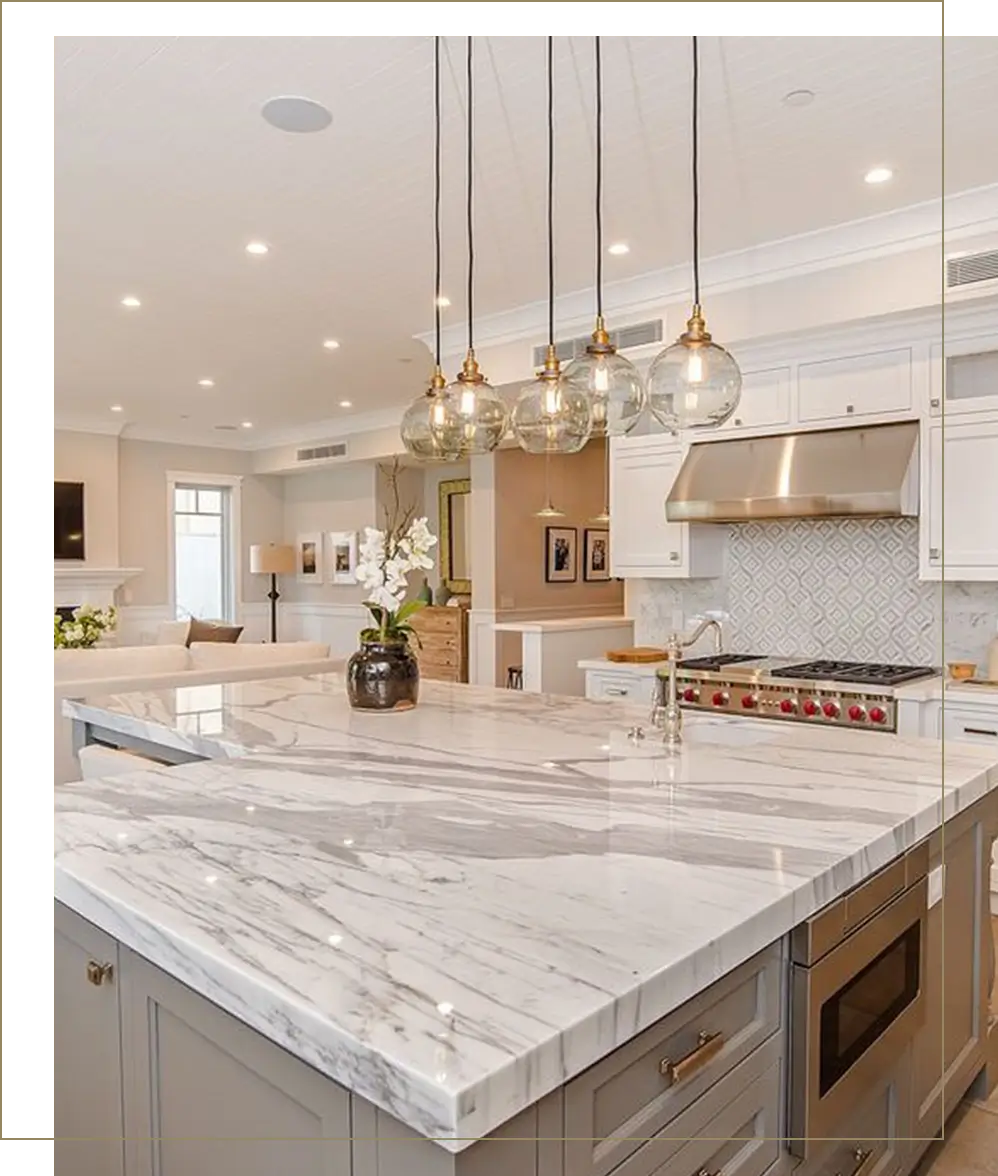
138 623
338 625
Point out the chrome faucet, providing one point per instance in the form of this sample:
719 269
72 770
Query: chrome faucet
666 711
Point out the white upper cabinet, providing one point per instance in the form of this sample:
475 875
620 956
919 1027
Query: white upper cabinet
964 376
842 390
765 400
959 522
643 543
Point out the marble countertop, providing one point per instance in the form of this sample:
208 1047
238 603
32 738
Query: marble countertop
939 687
454 910
562 624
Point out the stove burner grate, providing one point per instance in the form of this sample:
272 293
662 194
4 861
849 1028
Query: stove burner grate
864 673
717 661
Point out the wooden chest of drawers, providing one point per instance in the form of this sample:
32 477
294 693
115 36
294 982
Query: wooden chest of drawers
443 632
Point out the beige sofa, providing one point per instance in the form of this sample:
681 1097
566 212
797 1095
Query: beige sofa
81 673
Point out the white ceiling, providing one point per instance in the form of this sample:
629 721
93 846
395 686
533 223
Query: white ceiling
165 169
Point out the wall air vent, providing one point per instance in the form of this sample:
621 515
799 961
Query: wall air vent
638 335
972 267
319 452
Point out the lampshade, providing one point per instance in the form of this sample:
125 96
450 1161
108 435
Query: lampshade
272 559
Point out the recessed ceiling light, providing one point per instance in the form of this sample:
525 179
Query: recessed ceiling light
247 424
619 249
130 301
443 301
298 116
346 404
878 175
206 383
331 344
117 408
798 98
257 248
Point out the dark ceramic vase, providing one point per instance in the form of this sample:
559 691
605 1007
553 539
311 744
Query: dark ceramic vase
383 675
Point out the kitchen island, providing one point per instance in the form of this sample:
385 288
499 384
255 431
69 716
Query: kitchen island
477 919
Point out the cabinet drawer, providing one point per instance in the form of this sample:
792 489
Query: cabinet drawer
738 1133
874 1138
639 1089
855 387
622 687
971 725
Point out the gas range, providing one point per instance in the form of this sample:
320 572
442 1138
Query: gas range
836 693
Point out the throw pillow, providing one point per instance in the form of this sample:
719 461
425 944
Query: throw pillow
211 631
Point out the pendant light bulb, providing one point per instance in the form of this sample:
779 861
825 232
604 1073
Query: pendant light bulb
694 383
551 416
472 413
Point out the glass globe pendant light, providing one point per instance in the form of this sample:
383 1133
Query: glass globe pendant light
427 431
550 415
694 383
472 414
612 383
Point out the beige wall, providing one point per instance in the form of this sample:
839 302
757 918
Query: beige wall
338 499
577 489
92 458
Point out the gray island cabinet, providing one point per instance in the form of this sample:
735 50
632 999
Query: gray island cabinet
498 937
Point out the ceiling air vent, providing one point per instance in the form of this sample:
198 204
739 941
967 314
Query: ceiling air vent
319 452
638 335
972 267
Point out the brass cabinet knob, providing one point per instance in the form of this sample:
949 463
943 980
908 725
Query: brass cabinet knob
861 1158
97 973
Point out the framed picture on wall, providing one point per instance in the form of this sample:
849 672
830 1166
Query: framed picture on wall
561 556
596 557
308 556
342 556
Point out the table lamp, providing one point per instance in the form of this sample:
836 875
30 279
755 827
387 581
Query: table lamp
272 559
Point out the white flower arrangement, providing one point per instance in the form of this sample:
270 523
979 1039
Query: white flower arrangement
86 627
386 558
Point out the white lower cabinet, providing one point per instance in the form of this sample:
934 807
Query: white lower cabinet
959 521
621 686
643 543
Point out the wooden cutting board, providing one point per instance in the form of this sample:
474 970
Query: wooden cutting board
636 654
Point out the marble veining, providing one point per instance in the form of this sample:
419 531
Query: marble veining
453 911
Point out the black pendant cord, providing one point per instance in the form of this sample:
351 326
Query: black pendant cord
551 191
436 191
696 173
599 180
470 163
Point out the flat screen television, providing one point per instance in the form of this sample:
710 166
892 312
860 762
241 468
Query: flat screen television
69 520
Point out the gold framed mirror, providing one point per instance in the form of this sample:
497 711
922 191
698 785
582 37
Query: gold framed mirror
455 535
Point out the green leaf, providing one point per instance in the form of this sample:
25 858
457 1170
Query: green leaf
408 609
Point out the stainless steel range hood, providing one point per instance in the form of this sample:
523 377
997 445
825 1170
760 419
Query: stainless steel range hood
831 473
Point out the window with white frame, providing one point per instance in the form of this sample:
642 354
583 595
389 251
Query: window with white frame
204 571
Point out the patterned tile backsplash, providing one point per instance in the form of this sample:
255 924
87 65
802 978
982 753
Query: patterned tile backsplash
838 588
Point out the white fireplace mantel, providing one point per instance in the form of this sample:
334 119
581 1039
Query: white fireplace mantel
83 583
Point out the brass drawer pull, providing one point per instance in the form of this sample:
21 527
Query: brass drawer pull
98 973
703 1171
861 1162
708 1046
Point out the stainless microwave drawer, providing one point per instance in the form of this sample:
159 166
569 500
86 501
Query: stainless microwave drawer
631 1095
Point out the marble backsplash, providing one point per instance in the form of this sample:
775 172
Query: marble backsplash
837 588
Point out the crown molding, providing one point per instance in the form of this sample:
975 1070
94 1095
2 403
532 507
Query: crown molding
967 214
83 423
328 431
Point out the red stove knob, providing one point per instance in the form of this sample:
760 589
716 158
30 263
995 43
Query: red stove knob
810 707
831 710
788 706
720 698
878 714
690 694
749 701
857 713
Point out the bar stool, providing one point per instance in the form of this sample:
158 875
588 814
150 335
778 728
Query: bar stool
514 678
